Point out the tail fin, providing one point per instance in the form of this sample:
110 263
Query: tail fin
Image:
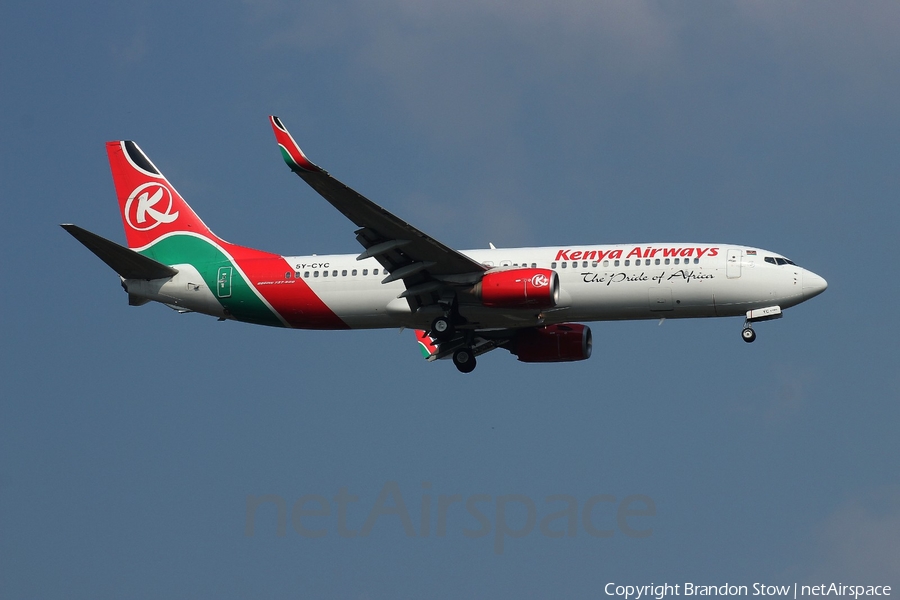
150 206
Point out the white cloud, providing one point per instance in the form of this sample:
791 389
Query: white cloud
460 69
468 72
858 543
133 51
846 47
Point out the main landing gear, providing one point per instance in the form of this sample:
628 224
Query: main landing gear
464 359
442 328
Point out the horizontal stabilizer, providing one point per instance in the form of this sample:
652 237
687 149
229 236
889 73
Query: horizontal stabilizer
127 263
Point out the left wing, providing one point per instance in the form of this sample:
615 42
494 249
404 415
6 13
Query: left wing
425 265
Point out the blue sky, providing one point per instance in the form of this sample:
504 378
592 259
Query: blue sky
131 438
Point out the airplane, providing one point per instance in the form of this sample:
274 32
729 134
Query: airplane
461 304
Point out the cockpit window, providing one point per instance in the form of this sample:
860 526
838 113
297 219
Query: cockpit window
778 261
771 260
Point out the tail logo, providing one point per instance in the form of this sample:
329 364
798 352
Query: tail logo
143 214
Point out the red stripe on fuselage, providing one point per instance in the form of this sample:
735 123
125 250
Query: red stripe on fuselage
290 297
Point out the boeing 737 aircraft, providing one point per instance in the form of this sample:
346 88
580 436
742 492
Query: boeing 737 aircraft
461 303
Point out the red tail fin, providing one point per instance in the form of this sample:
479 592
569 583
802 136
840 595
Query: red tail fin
150 206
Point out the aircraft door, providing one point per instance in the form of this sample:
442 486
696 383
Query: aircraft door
733 263
660 299
223 282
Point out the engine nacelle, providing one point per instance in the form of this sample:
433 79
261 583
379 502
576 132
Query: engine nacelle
553 343
519 288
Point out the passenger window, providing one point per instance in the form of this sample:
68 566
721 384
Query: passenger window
306 274
374 271
353 272
365 271
584 264
657 261
534 265
696 261
667 261
605 263
324 273
553 265
315 273
297 275
616 263
627 263
676 261
594 264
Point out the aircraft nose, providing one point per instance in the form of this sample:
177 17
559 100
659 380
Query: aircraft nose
813 285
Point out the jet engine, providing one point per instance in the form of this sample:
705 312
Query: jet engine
519 288
553 343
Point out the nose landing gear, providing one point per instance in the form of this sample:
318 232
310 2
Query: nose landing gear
757 315
748 335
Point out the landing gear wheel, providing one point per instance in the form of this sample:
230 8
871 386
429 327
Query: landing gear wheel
442 328
748 334
464 359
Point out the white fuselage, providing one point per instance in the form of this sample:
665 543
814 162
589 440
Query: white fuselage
597 283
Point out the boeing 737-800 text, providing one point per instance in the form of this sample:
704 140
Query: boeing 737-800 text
461 303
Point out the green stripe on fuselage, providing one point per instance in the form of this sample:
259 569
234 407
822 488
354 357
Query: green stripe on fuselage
243 303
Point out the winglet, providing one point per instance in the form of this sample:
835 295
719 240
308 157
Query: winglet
290 151
427 346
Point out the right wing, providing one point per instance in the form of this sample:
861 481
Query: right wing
425 265
481 343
